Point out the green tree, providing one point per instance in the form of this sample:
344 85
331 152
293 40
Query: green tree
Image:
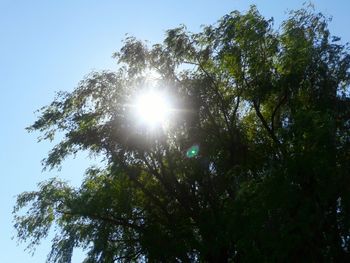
252 167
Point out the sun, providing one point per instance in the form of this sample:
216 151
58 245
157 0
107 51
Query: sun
152 108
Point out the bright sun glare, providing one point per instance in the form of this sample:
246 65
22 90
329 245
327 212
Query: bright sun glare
152 108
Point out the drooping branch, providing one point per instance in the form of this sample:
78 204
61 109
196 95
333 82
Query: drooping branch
118 221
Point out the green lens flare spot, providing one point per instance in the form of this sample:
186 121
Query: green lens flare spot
192 151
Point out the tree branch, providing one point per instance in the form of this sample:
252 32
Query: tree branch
266 126
280 103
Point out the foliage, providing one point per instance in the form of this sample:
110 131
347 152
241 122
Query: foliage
268 112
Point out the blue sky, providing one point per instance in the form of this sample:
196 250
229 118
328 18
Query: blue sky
47 46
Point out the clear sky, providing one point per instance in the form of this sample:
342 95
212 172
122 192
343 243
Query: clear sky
47 46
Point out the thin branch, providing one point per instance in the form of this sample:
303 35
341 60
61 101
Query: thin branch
141 186
171 187
152 197
130 257
237 105
266 126
219 95
280 103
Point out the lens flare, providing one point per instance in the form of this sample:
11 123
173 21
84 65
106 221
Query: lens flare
192 151
152 108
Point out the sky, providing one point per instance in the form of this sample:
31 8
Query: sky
48 46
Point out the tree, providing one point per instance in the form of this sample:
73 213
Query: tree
266 113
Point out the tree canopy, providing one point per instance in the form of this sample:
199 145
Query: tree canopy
252 165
